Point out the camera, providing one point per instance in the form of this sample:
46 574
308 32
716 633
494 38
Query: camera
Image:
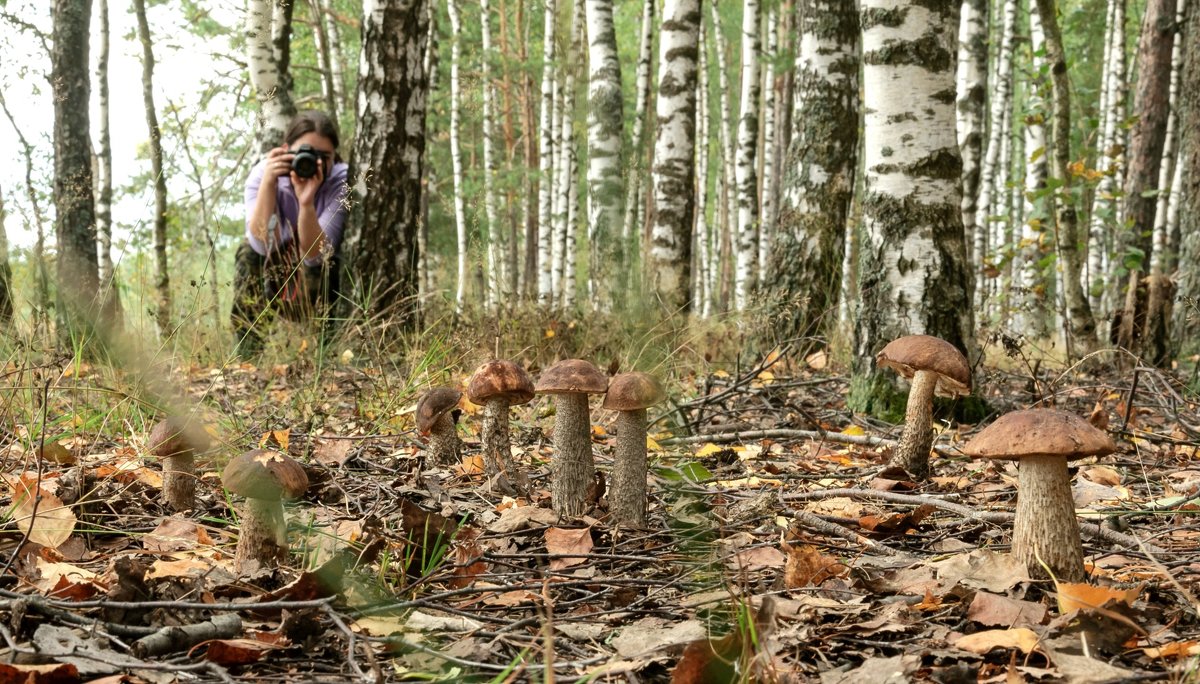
304 163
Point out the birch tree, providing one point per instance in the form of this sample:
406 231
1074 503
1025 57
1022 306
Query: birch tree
914 276
727 220
320 32
1034 313
971 77
806 261
633 186
747 158
771 154
1111 162
331 35
497 245
456 162
548 126
162 268
389 148
1186 316
268 37
674 169
605 131
110 294
566 178
991 182
6 296
41 275
701 269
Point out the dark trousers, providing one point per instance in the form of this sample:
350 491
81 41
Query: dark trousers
260 296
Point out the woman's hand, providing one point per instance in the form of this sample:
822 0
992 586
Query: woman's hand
306 188
279 163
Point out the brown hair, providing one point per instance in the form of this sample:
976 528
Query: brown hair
313 121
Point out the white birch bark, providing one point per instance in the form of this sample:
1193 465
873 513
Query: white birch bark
162 267
972 76
425 284
497 245
546 160
1106 207
456 162
568 182
333 37
747 158
633 188
727 220
605 130
104 157
558 204
701 281
1033 316
673 173
991 176
275 107
769 182
1167 169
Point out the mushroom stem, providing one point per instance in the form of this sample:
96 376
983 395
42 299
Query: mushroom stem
912 454
1045 523
262 539
573 468
179 481
627 497
444 442
497 445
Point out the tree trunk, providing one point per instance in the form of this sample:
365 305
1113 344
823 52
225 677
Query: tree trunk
636 167
325 59
701 274
41 305
972 77
771 154
992 174
268 74
1111 158
727 220
162 282
1080 332
6 298
1034 314
111 297
747 158
337 70
605 131
914 275
75 216
548 127
496 243
806 265
1186 325
460 207
674 170
566 220
389 147
429 66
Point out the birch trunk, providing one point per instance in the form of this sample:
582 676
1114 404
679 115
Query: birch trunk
429 62
991 175
456 162
747 158
1103 216
914 274
806 262
727 220
605 131
971 77
1034 314
272 84
701 281
1186 316
111 298
674 170
6 297
162 282
548 128
532 201
497 245
633 188
567 190
321 43
769 180
333 38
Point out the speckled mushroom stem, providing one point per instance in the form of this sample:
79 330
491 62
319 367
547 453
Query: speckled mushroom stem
443 441
573 467
912 453
497 444
262 538
627 496
179 481
1045 523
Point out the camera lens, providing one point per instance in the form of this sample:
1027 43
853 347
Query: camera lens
304 163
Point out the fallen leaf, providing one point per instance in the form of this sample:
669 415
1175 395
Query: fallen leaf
994 610
1021 638
54 673
568 542
806 566
332 452
176 534
40 515
1174 649
237 651
1080 596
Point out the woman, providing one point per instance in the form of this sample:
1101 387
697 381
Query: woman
288 264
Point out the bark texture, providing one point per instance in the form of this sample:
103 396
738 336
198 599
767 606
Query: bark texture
389 148
746 166
633 188
456 161
1104 214
605 130
912 453
1186 326
627 493
179 481
546 150
262 538
497 244
497 443
111 295
993 172
1045 524
162 282
972 78
268 45
574 467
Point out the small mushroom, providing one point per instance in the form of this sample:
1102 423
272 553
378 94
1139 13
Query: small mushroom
436 416
176 440
630 394
497 385
935 367
1042 441
573 469
266 479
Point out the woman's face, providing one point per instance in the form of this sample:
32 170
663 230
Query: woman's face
321 144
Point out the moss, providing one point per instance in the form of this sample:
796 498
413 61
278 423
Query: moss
875 394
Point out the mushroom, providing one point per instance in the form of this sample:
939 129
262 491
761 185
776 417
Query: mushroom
935 367
176 440
497 385
630 394
573 468
1042 441
436 416
267 479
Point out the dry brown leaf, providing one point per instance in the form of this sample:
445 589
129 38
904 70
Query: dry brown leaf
806 566
40 515
1174 649
176 534
1021 638
565 541
1102 475
332 452
1080 596
511 599
994 610
54 673
238 651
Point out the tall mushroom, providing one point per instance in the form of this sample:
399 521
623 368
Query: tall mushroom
176 441
266 479
935 367
435 419
1042 441
497 385
573 468
630 394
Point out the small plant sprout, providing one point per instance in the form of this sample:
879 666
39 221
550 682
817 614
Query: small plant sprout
176 441
267 479
436 416
1045 529
497 385
630 394
935 367
573 468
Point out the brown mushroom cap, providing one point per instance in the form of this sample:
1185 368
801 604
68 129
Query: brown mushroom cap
436 403
912 353
500 378
632 391
177 436
1039 432
264 474
572 376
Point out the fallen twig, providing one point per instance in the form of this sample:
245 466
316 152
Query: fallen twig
182 638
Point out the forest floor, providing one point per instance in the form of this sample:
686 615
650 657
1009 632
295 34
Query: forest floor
763 485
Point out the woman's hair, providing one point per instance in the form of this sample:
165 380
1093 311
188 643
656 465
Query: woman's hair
313 121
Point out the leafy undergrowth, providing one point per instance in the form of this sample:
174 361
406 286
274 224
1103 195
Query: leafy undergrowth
779 547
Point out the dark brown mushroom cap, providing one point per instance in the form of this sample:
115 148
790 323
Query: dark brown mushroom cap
177 436
912 353
572 376
500 378
1039 432
435 404
632 391
264 474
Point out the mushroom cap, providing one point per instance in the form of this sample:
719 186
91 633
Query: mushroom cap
177 436
1039 432
265 474
632 391
912 353
500 378
572 376
435 404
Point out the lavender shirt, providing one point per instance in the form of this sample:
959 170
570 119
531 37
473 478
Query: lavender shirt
330 205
